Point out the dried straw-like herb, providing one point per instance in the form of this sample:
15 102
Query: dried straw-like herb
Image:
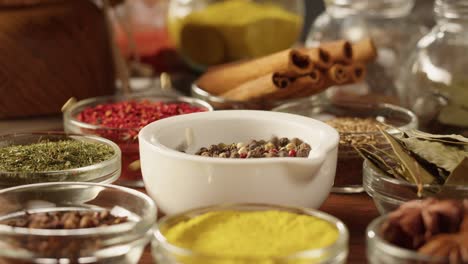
53 156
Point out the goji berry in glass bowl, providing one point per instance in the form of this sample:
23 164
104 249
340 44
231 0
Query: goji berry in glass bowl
120 118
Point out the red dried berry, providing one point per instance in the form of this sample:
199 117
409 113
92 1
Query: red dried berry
292 153
131 115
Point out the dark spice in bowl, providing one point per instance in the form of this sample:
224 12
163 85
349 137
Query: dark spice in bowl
436 228
66 220
275 147
354 132
349 126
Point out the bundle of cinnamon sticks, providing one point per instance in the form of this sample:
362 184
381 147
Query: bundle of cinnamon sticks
291 73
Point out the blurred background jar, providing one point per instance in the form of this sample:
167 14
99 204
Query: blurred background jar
433 82
141 34
52 50
392 26
210 32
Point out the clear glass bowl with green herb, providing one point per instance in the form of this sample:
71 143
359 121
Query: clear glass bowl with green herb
117 243
27 158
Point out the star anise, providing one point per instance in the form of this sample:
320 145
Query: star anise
451 246
416 222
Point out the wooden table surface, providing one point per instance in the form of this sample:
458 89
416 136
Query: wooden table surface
355 210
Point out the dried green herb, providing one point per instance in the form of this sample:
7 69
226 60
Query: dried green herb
53 156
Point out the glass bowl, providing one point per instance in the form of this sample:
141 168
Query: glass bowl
121 243
204 39
348 177
380 251
104 172
389 193
125 138
166 253
220 103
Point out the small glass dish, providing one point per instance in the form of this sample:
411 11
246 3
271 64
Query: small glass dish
125 138
107 171
380 251
121 243
220 103
166 253
348 177
389 193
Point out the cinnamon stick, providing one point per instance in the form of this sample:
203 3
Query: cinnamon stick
340 51
357 72
319 57
364 51
298 85
223 78
339 74
257 88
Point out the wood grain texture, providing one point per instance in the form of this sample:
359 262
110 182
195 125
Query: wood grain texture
51 52
356 211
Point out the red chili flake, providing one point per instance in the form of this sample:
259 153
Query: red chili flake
292 153
131 116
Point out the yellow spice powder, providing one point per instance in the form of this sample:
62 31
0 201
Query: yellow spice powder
252 234
234 29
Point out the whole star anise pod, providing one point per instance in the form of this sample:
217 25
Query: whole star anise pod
451 246
416 222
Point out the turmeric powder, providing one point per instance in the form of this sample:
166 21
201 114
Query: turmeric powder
234 29
234 236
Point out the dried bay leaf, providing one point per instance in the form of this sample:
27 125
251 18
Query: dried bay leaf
376 162
440 159
414 172
448 139
459 176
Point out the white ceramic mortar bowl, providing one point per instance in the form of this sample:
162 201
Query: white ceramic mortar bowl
180 181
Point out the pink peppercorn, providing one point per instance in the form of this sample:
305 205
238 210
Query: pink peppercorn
292 153
132 115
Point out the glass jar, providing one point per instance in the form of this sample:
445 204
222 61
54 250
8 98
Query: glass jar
433 82
107 171
120 244
141 34
389 193
422 12
348 178
394 33
379 251
125 138
167 253
210 32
